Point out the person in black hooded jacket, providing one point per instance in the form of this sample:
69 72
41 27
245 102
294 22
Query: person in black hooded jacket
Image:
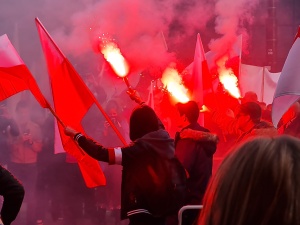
195 155
13 194
149 144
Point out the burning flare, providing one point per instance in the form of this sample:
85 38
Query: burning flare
173 83
204 109
228 79
113 55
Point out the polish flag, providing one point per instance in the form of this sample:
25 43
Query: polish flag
14 74
288 87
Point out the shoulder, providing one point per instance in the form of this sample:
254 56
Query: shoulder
197 126
265 131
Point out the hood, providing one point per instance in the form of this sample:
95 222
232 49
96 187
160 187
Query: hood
206 140
160 141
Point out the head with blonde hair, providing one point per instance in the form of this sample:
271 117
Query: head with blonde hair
258 183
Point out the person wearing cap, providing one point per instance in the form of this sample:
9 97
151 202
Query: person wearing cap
149 144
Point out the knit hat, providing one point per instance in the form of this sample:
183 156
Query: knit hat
143 120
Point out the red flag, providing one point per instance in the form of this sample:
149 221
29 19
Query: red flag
288 86
72 99
14 75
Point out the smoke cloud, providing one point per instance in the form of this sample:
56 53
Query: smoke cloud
232 17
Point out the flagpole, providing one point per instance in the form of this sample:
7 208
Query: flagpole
56 116
44 29
95 100
104 114
111 123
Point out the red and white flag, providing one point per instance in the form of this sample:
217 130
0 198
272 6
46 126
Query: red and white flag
14 75
200 81
288 87
72 99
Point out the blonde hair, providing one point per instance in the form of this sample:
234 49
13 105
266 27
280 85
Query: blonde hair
258 183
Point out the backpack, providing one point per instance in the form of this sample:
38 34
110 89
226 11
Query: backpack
167 187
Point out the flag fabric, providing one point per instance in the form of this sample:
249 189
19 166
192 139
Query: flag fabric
200 77
288 87
234 60
14 75
72 99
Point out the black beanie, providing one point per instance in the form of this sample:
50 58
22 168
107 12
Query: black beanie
143 120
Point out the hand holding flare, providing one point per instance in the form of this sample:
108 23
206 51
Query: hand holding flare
114 57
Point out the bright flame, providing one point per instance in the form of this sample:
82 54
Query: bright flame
115 58
173 83
228 79
204 109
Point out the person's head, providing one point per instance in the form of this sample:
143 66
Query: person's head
188 111
249 96
23 111
143 120
258 183
248 114
113 109
262 105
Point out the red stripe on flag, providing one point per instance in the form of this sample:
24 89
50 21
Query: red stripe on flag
14 75
72 99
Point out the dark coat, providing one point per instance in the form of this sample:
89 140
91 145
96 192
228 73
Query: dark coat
196 157
13 193
135 159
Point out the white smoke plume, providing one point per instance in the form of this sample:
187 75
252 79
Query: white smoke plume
231 18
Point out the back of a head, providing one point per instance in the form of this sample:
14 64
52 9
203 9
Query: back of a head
252 109
258 183
190 109
22 105
249 96
143 120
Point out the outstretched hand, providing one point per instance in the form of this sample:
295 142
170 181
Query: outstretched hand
69 131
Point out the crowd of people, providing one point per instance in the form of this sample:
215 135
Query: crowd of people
255 180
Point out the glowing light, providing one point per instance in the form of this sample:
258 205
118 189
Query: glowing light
114 57
204 109
173 83
228 79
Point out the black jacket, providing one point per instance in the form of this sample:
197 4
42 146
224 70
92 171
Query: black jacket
13 193
135 158
196 157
